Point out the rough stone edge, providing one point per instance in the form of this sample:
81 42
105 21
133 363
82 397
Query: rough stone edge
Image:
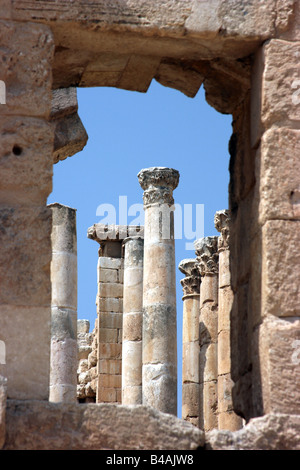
270 432
38 425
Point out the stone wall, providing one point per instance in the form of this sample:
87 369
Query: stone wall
246 54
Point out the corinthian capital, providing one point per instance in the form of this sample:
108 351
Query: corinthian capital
158 184
191 283
206 250
221 220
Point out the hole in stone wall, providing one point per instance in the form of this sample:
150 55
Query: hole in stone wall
129 131
17 150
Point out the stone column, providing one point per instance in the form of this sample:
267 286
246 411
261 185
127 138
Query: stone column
207 255
63 357
132 321
159 290
190 338
227 419
26 168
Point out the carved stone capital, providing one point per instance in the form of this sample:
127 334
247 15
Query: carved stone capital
191 283
221 221
206 250
158 184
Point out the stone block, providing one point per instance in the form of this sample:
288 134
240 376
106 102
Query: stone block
208 363
108 275
25 160
132 395
108 335
140 81
109 305
111 320
110 351
26 68
280 83
277 173
132 326
159 387
190 400
280 268
110 263
288 11
110 381
210 405
279 350
190 328
225 393
132 363
209 289
224 308
25 256
224 269
158 347
17 323
224 361
247 19
64 362
106 395
111 290
64 324
175 75
208 324
204 18
63 277
133 290
110 366
190 362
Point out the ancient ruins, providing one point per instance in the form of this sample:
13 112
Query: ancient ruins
65 384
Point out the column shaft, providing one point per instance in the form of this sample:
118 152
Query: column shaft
190 338
227 418
206 251
159 290
64 360
132 321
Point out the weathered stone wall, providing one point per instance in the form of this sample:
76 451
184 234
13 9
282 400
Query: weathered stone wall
26 158
109 302
264 228
246 54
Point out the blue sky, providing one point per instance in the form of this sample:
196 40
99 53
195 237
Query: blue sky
129 131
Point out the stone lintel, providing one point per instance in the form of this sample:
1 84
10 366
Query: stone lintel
103 232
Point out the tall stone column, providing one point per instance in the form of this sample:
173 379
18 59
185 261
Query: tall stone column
132 321
227 418
63 353
207 256
159 290
190 338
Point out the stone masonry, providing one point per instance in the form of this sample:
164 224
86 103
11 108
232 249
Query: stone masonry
109 303
245 53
